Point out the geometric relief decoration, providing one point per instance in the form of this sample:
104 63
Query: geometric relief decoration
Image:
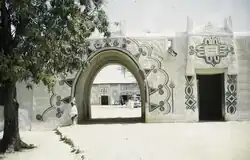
159 89
160 92
157 77
212 50
189 93
142 52
56 101
231 94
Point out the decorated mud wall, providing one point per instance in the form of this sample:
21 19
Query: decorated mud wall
170 66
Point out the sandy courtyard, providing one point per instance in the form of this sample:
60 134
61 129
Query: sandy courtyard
149 141
173 141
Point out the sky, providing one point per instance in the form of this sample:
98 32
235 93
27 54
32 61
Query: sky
167 16
159 16
112 74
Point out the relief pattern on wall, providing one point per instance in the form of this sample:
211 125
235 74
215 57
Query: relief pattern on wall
56 100
189 93
212 50
231 94
149 54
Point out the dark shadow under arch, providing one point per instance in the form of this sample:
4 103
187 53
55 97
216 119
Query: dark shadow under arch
84 80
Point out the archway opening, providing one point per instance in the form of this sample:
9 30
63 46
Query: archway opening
115 93
84 80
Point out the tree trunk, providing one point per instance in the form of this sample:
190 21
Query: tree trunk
11 138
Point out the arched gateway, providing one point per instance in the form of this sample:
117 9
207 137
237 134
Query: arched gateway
96 61
173 88
143 59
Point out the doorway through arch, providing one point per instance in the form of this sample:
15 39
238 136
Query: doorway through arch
83 82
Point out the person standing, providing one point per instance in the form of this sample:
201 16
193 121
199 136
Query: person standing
73 112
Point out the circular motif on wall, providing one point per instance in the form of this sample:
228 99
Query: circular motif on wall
115 43
191 50
172 85
59 115
162 109
155 71
58 103
58 98
161 103
161 92
160 86
39 117
98 44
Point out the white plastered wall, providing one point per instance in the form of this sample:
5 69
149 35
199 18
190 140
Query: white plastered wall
242 47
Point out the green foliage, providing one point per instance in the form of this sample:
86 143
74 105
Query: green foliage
47 37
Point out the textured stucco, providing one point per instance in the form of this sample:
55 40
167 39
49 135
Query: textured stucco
165 74
85 79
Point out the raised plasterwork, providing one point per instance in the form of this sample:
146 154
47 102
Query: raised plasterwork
148 53
231 94
189 93
211 47
212 50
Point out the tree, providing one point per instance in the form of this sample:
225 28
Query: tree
40 39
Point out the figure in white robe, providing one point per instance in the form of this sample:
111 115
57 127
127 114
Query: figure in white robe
73 112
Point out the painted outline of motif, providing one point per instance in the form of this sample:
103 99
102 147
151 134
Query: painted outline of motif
231 94
211 50
189 93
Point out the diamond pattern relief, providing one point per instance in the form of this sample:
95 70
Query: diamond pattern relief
190 101
231 98
231 94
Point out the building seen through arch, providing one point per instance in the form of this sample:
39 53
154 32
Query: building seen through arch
115 87
118 85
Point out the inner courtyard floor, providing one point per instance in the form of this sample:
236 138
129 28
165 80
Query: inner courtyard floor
114 111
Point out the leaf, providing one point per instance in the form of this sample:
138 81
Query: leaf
48 38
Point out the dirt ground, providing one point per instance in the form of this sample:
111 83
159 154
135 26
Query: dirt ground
150 141
173 141
114 111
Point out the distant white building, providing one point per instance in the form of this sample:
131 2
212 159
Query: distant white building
112 86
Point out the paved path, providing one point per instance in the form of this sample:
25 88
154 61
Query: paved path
172 141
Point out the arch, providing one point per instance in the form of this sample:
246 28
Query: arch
82 84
